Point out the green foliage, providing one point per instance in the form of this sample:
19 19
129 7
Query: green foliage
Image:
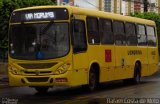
6 8
150 16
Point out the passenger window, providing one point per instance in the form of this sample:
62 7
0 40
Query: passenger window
93 32
151 36
141 35
79 36
119 33
106 33
131 36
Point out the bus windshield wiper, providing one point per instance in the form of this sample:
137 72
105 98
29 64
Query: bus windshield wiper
43 30
46 28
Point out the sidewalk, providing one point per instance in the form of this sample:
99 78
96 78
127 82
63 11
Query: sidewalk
3 81
3 75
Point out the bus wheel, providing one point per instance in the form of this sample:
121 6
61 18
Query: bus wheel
127 81
41 89
93 81
137 74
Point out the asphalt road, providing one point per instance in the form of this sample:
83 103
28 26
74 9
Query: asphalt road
148 88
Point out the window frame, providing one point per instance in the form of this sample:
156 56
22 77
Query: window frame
89 32
101 31
151 35
124 34
84 35
127 35
137 29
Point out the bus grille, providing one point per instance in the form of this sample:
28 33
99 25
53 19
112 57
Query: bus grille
40 79
41 72
37 65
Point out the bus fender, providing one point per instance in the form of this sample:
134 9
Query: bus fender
91 64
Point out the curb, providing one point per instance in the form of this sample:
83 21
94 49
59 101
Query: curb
4 78
4 85
4 82
3 68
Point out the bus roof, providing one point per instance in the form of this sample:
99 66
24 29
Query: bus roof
92 12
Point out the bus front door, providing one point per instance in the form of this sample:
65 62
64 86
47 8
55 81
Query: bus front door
80 57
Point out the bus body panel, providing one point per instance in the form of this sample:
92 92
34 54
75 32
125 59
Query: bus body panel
107 60
152 59
115 61
120 68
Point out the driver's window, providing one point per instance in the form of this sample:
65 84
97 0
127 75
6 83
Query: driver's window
79 36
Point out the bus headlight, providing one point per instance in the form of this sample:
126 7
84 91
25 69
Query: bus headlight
62 69
14 70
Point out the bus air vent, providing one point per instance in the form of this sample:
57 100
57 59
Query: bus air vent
36 65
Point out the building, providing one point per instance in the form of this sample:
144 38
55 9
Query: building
113 6
93 4
138 6
124 7
158 5
108 6
153 6
130 6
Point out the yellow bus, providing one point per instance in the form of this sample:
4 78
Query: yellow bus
71 46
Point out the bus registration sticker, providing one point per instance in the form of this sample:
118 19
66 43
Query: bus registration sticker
108 56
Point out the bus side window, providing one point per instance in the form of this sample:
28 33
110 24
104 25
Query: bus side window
151 36
79 36
119 33
106 31
93 32
142 39
131 36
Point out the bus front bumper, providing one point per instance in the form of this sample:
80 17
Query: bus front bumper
46 80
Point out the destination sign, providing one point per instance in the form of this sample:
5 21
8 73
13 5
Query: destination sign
40 15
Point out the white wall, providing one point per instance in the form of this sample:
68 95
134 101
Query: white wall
93 4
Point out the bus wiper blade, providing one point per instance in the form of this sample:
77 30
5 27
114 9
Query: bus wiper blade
46 28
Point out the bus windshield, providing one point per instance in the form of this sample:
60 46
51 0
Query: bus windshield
38 41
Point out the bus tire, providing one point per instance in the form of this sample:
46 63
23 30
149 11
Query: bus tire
93 81
41 89
137 74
